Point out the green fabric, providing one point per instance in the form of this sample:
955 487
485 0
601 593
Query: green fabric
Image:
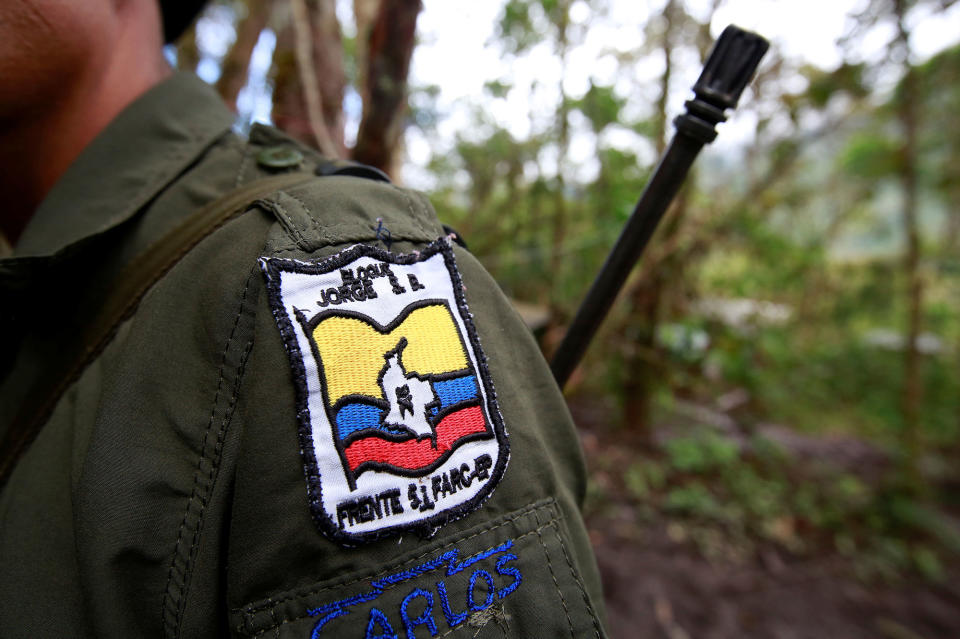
166 493
125 293
114 178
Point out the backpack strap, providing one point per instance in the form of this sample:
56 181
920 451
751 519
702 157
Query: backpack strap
127 290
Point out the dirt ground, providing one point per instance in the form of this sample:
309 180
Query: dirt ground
659 588
658 585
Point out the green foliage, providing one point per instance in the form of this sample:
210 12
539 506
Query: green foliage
870 156
644 478
601 105
516 26
497 88
805 231
693 499
702 453
759 494
421 103
846 79
927 563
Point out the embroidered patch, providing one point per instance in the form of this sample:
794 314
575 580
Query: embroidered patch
399 424
458 591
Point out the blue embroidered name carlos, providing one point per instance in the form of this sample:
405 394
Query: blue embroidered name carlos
443 592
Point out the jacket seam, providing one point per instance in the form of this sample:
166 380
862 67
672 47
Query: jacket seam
579 581
556 584
313 222
171 626
288 219
414 218
244 158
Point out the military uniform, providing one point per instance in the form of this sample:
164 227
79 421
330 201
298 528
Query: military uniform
324 419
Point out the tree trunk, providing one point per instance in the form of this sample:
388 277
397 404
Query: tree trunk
188 53
666 48
236 63
641 355
389 49
309 80
560 214
312 33
364 14
912 397
645 298
328 60
289 107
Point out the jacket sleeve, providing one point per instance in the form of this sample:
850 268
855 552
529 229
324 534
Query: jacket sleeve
400 461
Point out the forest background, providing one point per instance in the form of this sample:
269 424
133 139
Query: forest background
771 414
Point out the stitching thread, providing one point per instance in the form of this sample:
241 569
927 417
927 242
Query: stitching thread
536 531
171 625
349 235
244 156
214 471
282 212
413 216
93 349
252 609
276 626
563 602
313 222
576 577
413 205
449 562
273 617
423 203
553 522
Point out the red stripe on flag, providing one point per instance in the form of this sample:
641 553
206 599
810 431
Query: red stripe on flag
412 454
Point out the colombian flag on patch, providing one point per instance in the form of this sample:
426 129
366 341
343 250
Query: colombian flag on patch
399 425
400 397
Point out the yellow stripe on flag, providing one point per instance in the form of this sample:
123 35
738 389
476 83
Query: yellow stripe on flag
352 351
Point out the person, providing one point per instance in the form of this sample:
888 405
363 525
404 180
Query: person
246 390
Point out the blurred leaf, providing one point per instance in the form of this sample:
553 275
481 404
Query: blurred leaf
927 563
497 88
847 78
600 105
515 26
694 500
871 156
701 454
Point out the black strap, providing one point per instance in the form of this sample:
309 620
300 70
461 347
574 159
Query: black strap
126 292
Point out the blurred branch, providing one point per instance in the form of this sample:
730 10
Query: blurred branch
389 49
303 50
364 14
236 63
188 53
908 116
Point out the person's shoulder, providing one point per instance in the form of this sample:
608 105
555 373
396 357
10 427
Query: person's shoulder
398 452
436 451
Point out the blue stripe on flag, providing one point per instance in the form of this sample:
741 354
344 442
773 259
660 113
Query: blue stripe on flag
454 391
358 416
354 417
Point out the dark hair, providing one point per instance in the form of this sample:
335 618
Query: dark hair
178 15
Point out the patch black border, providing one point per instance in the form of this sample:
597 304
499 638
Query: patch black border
272 268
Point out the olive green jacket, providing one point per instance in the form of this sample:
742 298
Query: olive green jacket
202 475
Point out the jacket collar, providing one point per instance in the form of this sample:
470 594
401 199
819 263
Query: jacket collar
133 159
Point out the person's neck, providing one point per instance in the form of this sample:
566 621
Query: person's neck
38 148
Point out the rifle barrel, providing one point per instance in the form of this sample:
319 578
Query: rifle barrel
729 68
